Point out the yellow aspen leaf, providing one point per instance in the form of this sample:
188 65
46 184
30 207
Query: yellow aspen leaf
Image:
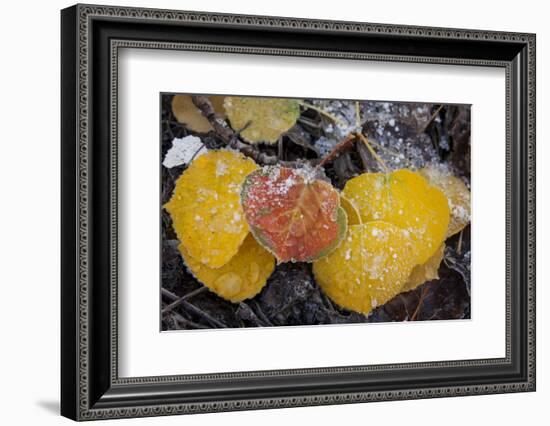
205 206
368 268
188 114
427 271
241 278
263 119
405 199
458 196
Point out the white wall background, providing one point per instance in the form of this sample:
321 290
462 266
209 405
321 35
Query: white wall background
29 211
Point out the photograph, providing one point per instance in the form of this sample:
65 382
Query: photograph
298 212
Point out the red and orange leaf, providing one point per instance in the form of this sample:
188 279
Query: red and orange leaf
292 214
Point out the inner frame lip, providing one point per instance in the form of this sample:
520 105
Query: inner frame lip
116 44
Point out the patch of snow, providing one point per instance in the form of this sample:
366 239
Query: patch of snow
183 150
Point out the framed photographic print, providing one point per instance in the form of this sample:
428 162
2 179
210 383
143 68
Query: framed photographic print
263 212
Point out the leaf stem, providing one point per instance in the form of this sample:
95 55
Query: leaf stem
338 147
373 152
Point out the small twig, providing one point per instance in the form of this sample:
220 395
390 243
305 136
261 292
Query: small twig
405 305
193 308
261 313
246 126
231 138
220 126
168 294
247 313
420 303
203 314
181 299
336 150
186 322
432 118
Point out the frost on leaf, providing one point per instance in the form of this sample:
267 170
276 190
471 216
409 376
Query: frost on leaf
292 214
368 268
458 196
187 113
261 119
405 199
205 208
183 150
427 271
241 278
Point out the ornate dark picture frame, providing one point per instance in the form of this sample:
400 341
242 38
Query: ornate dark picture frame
91 38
